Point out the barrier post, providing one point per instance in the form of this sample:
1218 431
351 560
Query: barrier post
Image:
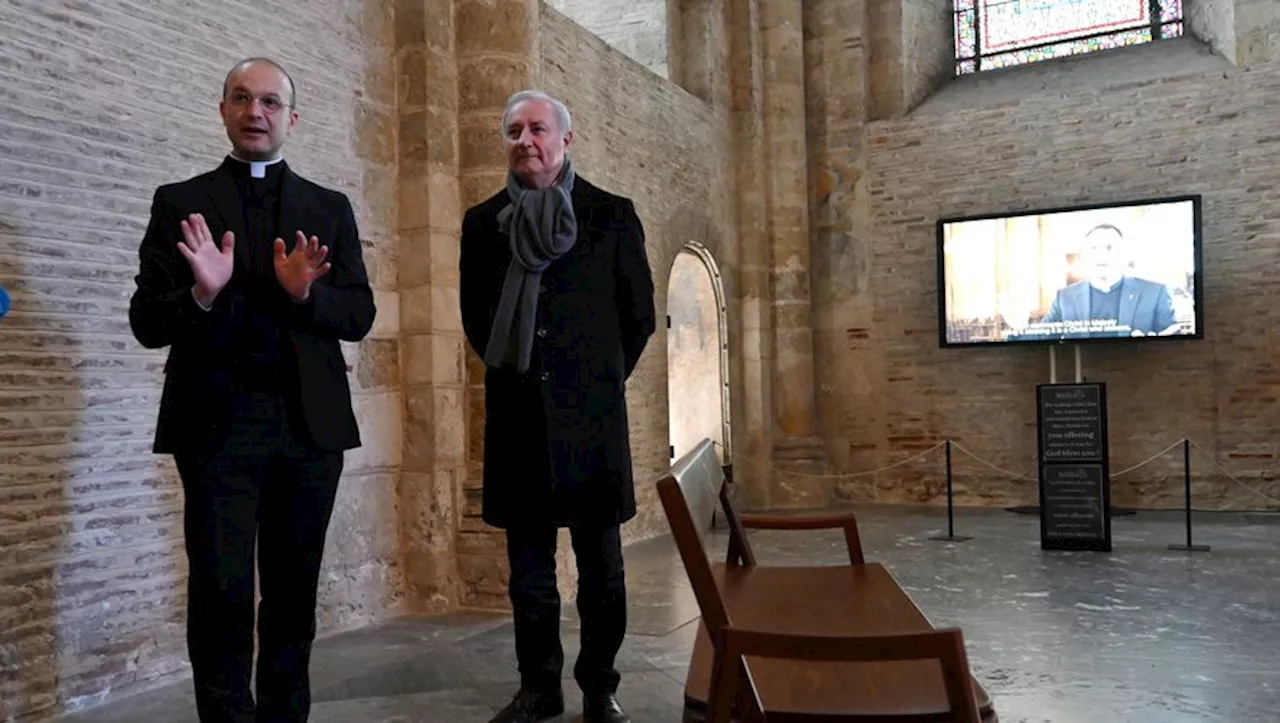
951 521
1186 480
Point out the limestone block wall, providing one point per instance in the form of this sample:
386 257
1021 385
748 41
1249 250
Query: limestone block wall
100 103
637 28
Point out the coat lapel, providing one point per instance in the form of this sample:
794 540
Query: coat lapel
226 203
583 204
1128 302
292 211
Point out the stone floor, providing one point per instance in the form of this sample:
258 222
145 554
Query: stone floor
1140 635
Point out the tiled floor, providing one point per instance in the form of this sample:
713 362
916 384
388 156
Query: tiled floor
1140 635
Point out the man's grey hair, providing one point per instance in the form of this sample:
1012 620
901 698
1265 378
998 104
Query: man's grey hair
563 118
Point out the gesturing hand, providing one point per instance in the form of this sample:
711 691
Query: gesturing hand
304 264
210 265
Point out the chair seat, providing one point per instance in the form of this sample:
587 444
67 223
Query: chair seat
843 600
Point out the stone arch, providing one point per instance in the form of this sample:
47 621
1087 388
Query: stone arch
697 352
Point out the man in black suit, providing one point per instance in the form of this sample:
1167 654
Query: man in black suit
256 408
557 297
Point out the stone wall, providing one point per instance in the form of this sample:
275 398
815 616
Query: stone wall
637 28
1163 119
808 147
100 103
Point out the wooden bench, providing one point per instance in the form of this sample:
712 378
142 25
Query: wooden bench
805 643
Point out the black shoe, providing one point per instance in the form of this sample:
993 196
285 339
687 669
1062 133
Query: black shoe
603 709
529 706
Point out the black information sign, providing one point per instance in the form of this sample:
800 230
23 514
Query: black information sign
1072 423
1075 476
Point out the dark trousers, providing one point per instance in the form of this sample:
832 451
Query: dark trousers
255 479
601 601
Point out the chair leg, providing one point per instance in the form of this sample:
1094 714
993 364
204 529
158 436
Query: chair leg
725 675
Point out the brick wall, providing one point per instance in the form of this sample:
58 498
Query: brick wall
99 103
1163 119
637 28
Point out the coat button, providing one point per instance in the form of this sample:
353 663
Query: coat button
542 332
545 376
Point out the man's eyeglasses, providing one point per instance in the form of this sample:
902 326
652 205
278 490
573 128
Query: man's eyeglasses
270 103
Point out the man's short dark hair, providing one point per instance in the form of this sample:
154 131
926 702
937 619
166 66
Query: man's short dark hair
293 91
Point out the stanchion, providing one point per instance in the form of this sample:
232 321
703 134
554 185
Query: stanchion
951 520
1186 476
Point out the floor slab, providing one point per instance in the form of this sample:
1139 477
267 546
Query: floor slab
1141 634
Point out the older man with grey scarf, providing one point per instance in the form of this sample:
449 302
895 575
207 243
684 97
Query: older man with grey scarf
557 299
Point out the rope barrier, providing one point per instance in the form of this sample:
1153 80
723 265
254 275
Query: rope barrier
1228 475
1148 460
979 460
845 475
1029 477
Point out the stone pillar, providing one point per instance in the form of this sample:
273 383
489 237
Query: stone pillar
796 448
753 365
698 48
783 46
432 372
497 55
841 92
1245 32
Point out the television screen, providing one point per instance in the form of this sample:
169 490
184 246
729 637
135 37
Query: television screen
1089 273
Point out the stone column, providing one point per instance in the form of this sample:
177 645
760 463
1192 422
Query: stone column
796 448
753 366
783 48
698 48
497 55
432 372
840 94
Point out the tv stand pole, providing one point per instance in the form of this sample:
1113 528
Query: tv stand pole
1053 364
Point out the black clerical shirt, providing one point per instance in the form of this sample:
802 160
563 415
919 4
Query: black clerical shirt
258 324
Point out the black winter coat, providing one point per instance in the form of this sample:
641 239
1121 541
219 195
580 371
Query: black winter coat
556 438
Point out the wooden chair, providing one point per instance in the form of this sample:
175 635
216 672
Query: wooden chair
839 643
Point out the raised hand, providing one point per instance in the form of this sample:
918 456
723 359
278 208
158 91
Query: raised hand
211 265
304 264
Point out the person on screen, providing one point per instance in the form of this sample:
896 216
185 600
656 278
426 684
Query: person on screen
1109 300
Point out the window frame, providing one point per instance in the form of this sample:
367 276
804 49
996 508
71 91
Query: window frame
1156 25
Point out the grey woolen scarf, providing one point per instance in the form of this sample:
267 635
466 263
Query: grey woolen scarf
541 227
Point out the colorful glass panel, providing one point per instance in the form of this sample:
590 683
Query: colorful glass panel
1000 33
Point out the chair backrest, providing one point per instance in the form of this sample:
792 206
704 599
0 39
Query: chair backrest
701 477
690 491
945 645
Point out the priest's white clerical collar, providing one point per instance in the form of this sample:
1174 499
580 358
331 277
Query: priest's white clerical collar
258 169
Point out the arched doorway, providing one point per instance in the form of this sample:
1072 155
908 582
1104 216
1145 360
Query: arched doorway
697 353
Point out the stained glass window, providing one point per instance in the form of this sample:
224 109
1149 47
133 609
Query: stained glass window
999 33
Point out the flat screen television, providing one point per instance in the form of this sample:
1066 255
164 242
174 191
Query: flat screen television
1105 272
